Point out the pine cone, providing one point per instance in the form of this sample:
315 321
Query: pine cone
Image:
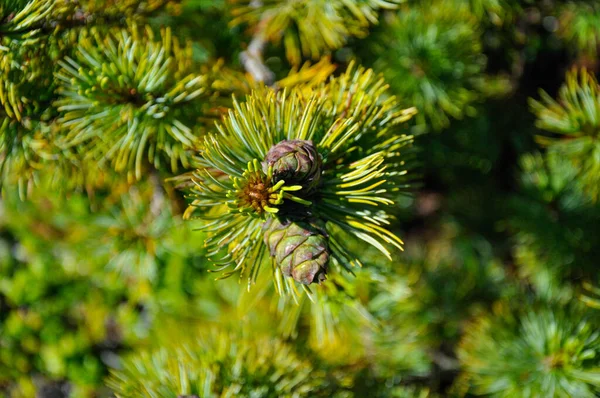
297 162
300 249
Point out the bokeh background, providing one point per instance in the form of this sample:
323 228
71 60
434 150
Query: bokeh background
105 289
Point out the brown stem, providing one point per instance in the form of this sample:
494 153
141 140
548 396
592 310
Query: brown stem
252 58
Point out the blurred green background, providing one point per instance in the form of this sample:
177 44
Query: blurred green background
105 289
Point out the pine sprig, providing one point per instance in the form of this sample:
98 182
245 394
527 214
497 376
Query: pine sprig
575 121
579 25
131 99
309 28
577 111
352 125
24 147
22 19
549 220
26 90
432 55
533 352
25 62
218 364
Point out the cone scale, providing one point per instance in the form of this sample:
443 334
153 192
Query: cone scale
295 162
299 248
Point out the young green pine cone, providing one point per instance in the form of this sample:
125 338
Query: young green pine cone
297 162
300 249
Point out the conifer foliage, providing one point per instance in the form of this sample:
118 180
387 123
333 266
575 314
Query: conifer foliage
289 198
347 164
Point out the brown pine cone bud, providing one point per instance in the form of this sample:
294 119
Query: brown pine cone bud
300 249
297 162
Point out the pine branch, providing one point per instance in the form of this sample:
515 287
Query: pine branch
219 363
363 165
309 27
22 18
127 97
575 122
578 25
432 55
548 351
